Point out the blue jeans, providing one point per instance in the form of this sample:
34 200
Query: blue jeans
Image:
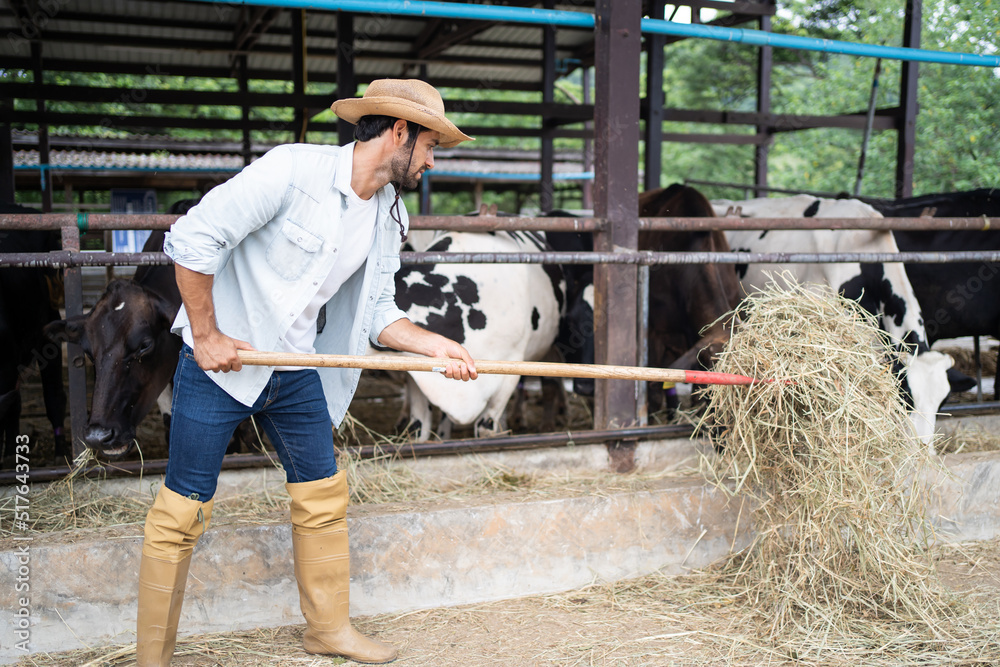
292 410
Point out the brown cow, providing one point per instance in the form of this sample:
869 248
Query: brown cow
683 298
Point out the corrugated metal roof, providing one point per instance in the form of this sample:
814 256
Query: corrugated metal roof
445 168
102 160
191 34
171 37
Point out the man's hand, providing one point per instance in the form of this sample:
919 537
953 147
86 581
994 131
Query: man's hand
406 336
217 352
463 368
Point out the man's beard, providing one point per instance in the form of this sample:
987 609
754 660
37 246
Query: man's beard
399 169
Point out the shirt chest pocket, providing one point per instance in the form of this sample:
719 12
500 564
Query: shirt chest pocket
292 250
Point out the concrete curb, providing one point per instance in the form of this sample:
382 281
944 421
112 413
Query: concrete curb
82 591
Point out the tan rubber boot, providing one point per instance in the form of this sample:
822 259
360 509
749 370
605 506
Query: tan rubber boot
173 526
322 569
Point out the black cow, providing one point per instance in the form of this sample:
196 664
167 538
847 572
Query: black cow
960 299
28 299
127 336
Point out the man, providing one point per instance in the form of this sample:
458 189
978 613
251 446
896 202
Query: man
297 253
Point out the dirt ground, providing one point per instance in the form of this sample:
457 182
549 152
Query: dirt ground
652 621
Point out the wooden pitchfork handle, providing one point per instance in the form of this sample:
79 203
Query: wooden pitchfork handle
537 368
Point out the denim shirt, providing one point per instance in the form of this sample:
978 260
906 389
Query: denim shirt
268 236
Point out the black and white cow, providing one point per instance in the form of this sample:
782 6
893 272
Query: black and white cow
957 299
26 306
882 289
497 311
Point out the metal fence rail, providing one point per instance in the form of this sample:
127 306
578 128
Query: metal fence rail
67 259
71 258
488 223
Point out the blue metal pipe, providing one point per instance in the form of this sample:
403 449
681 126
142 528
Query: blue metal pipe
559 18
761 38
450 10
479 175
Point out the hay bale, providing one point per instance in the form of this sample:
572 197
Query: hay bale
829 462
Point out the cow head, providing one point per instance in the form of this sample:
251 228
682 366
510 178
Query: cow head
924 388
127 336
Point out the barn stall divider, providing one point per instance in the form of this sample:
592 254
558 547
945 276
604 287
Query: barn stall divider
70 259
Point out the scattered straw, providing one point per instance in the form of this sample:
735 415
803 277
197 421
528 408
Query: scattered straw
840 555
646 622
73 503
967 439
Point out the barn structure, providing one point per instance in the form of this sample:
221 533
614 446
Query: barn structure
294 57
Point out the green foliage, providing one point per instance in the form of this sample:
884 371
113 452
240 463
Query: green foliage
958 125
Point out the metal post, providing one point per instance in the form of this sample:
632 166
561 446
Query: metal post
547 157
616 198
425 195
588 147
299 71
869 119
761 150
979 369
655 100
76 363
907 120
346 83
247 149
642 344
6 160
43 129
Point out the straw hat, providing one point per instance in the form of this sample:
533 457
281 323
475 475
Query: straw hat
409 99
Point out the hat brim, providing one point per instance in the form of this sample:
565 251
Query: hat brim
353 109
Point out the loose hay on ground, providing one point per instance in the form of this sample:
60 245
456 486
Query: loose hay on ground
968 439
840 561
649 622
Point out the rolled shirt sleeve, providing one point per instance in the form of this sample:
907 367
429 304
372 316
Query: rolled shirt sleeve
201 239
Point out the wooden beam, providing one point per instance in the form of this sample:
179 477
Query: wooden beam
222 72
754 9
574 113
162 122
460 34
733 139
